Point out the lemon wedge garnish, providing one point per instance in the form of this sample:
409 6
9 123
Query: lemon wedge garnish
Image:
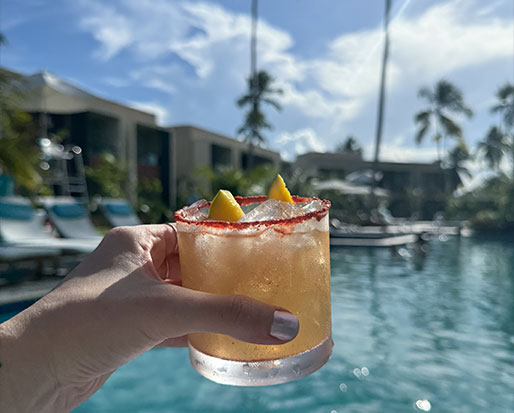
224 207
279 191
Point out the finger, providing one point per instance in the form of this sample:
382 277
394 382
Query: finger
235 315
161 241
173 272
163 238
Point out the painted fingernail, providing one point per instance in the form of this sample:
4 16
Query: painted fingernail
285 326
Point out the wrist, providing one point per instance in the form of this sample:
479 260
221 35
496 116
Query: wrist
26 379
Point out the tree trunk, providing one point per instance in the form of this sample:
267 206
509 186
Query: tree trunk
512 150
381 99
253 40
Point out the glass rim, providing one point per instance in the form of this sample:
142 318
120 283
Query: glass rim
318 214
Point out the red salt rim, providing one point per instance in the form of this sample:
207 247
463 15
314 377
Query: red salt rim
319 214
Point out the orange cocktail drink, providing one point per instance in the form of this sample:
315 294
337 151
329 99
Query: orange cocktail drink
283 262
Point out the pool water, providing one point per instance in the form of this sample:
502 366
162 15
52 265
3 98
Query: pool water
412 333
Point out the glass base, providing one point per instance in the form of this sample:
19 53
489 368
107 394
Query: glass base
261 373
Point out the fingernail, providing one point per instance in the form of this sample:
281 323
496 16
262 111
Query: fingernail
285 326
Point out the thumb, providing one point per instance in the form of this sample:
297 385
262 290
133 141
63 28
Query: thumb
238 316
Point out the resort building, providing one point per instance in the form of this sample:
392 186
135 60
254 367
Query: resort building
200 148
99 126
173 154
414 187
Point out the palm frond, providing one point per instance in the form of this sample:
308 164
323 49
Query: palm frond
420 135
259 91
450 127
426 93
273 103
244 100
493 147
498 108
464 171
505 104
437 137
450 97
423 117
508 116
505 92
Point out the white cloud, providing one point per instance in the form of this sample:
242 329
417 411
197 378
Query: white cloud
489 8
156 109
329 95
112 30
426 48
116 81
404 153
299 142
161 85
447 38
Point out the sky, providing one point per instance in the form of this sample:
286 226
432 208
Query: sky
187 62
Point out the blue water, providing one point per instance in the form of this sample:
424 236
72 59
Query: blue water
407 330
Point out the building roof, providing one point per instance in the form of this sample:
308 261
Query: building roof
46 92
349 161
204 133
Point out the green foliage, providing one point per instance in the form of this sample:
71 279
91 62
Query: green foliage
505 105
152 210
299 183
259 91
243 183
493 148
489 207
457 157
350 145
18 148
487 220
505 108
106 178
444 101
350 209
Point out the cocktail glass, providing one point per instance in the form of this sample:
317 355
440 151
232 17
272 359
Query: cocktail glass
282 262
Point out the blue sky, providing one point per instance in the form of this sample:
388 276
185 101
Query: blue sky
187 61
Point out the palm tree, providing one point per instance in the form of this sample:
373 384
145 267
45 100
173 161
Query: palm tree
260 91
493 147
444 101
350 145
505 107
253 39
457 156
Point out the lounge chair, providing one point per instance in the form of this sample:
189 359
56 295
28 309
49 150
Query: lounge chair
10 253
21 225
19 262
118 212
70 218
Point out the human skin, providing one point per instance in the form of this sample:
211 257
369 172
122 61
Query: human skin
122 300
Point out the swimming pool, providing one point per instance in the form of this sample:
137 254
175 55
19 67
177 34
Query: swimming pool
411 333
